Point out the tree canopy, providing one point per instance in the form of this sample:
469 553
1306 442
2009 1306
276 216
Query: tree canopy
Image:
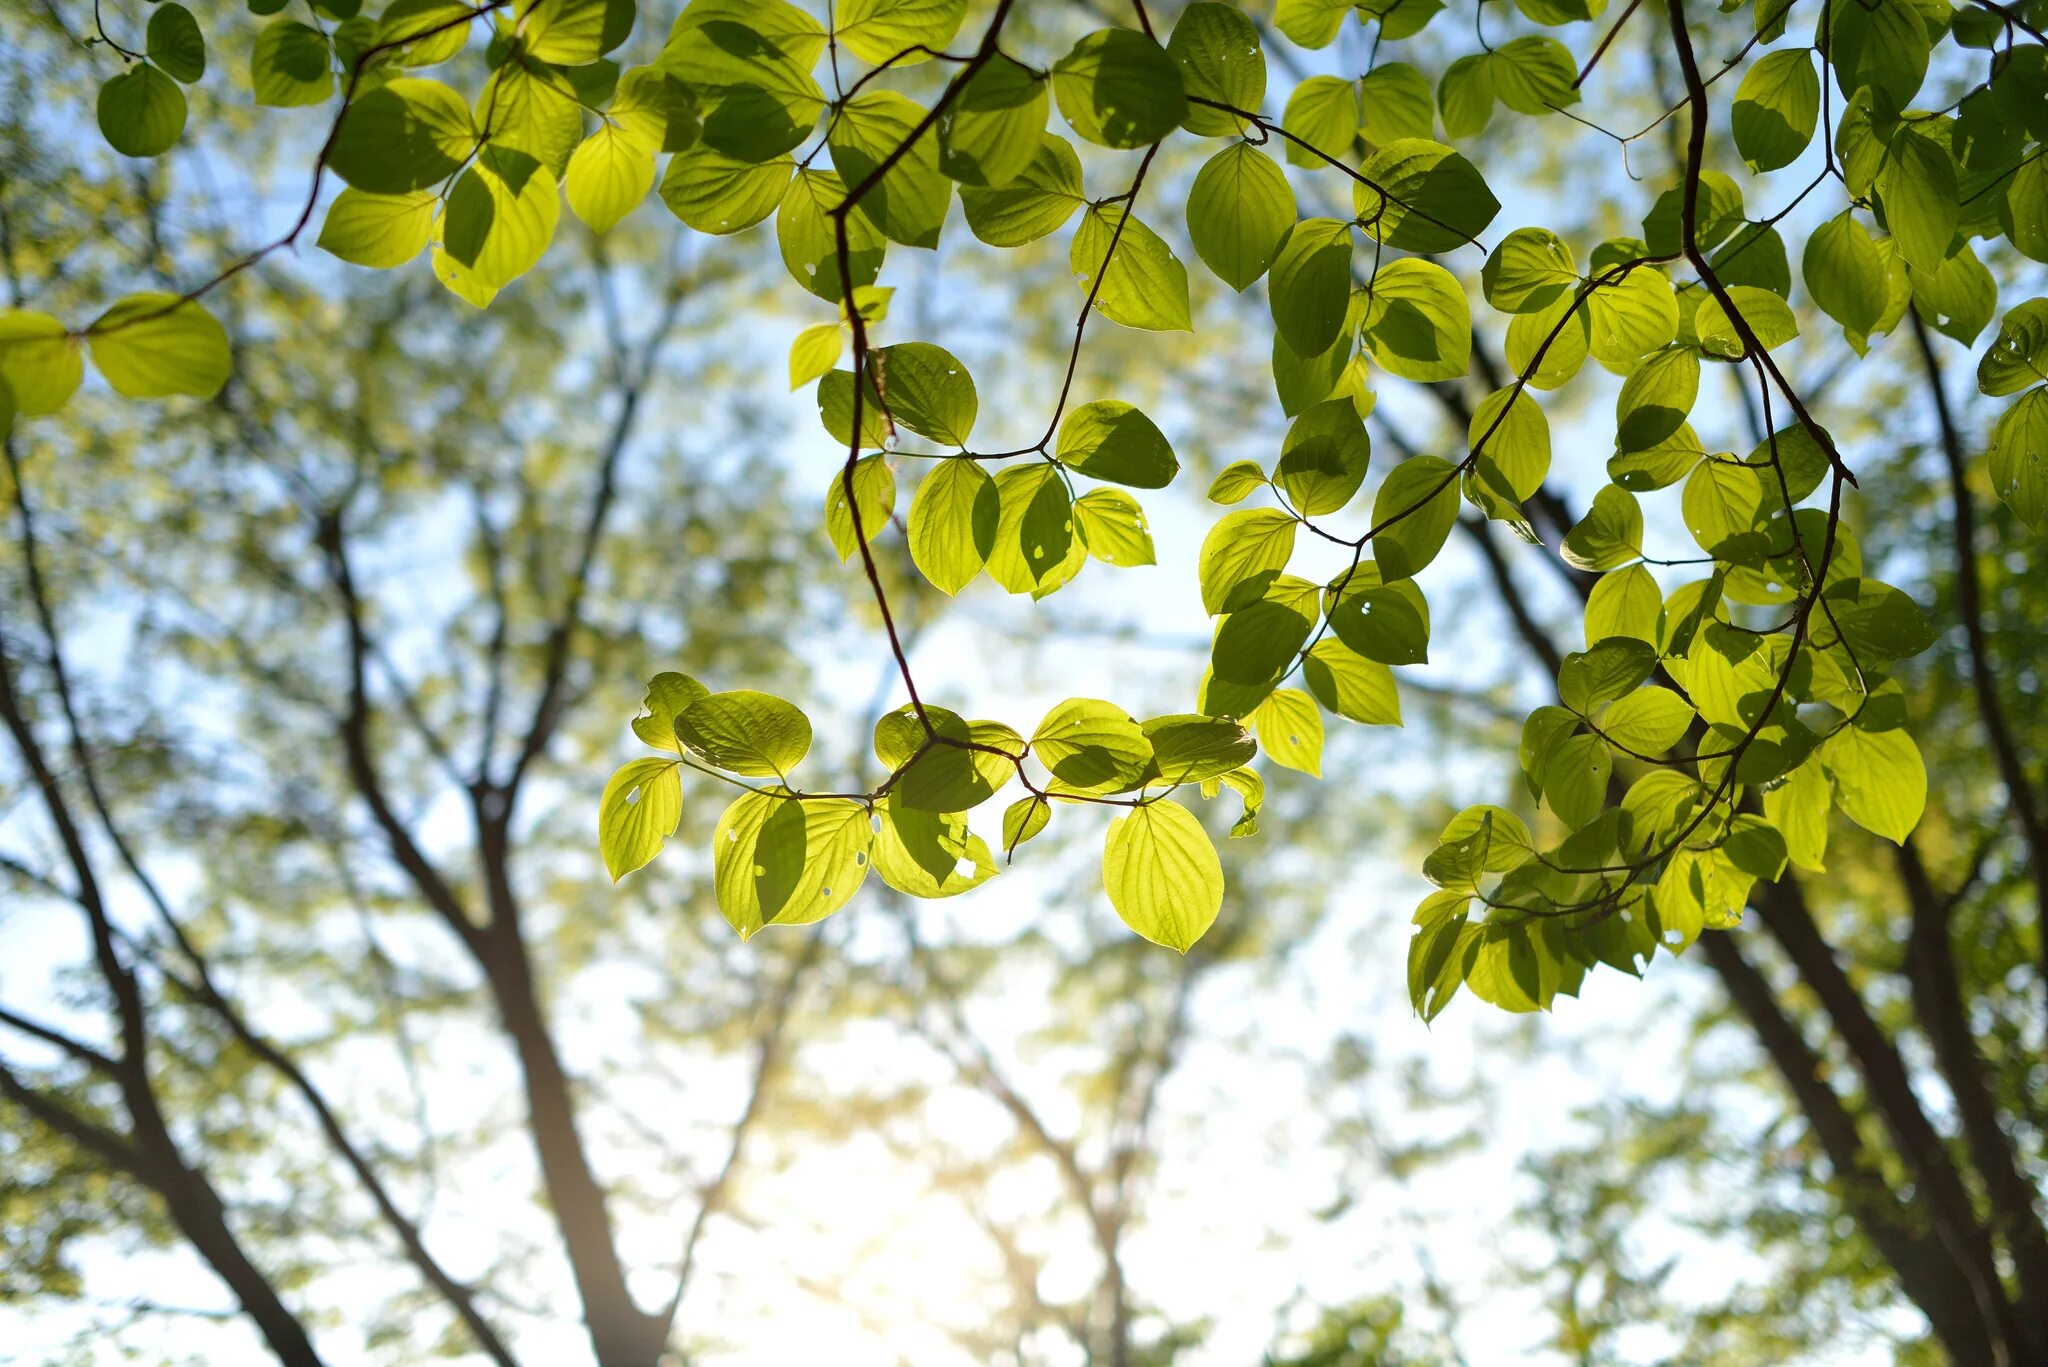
1756 696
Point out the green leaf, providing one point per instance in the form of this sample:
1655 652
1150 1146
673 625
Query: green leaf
1551 344
1918 188
1624 603
1239 210
1397 103
1610 535
1351 685
1036 550
1423 197
1799 458
1649 721
407 134
1247 784
1110 440
1415 509
141 112
1418 324
754 74
1883 43
835 410
40 363
1091 747
291 65
809 242
1112 526
1290 728
2020 211
669 695
1878 621
1323 459
929 854
1398 18
1304 380
1035 202
713 41
929 391
150 346
814 351
1023 819
1311 23
1190 748
1862 136
609 173
1775 109
874 495
2018 357
1530 270
423 32
1589 679
1242 555
953 523
714 193
990 134
175 44
1655 399
499 225
1575 779
878 30
1322 112
1512 440
942 774
571 32
1465 96
1659 465
1721 502
1845 273
1880 780
1630 318
1755 255
380 231
1144 285
1957 300
529 108
1119 88
746 732
1162 874
1798 807
640 809
779 861
1441 953
1387 624
1503 840
1217 49
1534 74
2018 465
1543 731
1236 482
1767 316
908 204
1310 289
1257 641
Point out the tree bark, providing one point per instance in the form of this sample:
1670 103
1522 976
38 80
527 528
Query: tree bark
1937 1000
1924 1271
1939 1188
